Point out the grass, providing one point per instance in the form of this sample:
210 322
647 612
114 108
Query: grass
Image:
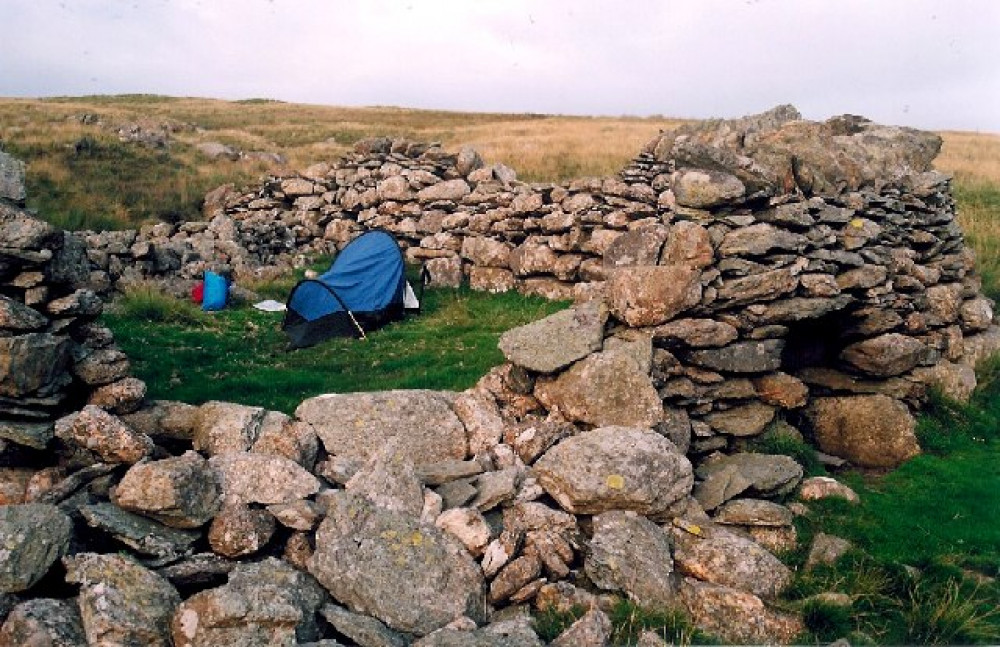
238 354
628 621
936 514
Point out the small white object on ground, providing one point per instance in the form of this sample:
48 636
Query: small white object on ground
270 305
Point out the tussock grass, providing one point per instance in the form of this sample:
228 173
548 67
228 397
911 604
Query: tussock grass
146 303
628 621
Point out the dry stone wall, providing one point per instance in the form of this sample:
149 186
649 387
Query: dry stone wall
764 275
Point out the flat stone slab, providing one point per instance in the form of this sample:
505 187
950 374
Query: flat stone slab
558 340
356 425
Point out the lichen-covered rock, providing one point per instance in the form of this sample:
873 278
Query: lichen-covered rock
389 480
124 396
868 430
94 430
33 362
479 413
144 536
616 468
226 427
649 296
629 553
121 602
468 526
714 554
239 531
263 604
688 244
43 622
695 333
362 629
745 420
593 629
280 435
725 477
825 487
705 189
741 357
736 616
180 492
363 553
261 478
604 389
32 537
885 355
552 343
355 425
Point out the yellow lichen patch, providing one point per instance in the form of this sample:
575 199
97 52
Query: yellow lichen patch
857 223
615 481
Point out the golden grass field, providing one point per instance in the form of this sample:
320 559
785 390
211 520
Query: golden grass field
123 184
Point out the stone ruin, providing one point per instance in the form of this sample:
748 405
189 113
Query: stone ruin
740 278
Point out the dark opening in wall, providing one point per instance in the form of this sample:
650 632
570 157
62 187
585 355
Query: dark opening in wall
816 342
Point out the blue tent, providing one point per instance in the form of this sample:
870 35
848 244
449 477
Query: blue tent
363 289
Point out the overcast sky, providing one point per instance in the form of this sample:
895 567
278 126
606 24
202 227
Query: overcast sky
924 63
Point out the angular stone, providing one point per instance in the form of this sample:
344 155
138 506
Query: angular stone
885 355
688 244
695 333
491 279
282 436
558 340
741 357
364 552
144 536
121 603
531 439
263 604
226 427
31 363
43 622
781 390
180 492
616 468
108 438
298 515
593 629
124 396
603 389
445 272
356 424
824 487
714 554
389 480
737 616
486 252
468 526
705 189
746 420
956 381
102 366
629 553
36 435
494 488
530 258
32 538
976 314
765 474
12 178
395 188
363 630
164 419
753 512
239 531
448 471
826 549
637 247
649 296
517 632
453 190
260 478
755 288
16 316
868 430
760 239
514 576
479 413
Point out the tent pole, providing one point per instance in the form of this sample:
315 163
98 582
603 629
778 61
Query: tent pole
357 325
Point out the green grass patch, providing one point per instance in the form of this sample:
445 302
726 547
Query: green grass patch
928 542
628 621
239 355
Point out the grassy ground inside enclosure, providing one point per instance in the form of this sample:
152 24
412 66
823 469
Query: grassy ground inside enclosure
927 535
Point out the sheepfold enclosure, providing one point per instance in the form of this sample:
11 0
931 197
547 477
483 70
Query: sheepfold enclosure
608 453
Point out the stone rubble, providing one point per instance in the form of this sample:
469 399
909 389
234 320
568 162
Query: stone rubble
722 290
